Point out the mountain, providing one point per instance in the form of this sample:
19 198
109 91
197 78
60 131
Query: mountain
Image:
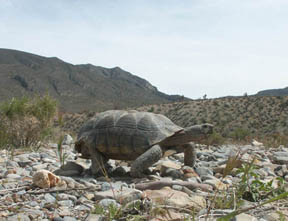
274 92
76 87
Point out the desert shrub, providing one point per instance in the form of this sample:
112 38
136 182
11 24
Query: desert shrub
151 109
3 131
215 139
25 122
274 140
240 134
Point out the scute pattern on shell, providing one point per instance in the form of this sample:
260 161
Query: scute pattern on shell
118 132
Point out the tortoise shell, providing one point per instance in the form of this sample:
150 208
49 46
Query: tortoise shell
125 135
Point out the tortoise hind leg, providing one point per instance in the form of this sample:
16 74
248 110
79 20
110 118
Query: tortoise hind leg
146 160
189 154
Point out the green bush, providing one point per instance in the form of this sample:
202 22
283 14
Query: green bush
25 122
240 134
215 139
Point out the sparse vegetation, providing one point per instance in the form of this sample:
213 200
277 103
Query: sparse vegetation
240 118
25 122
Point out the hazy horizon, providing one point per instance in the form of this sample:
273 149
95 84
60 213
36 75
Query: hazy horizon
219 48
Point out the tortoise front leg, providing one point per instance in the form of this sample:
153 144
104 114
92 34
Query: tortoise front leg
189 154
146 160
98 161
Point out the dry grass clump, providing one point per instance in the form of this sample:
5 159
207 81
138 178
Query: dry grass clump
26 122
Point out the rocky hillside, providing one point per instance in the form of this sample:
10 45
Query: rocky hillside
256 115
77 87
274 92
238 116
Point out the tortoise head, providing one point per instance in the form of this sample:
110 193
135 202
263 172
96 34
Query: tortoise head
194 133
81 147
198 131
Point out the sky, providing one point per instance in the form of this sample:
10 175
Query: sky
185 47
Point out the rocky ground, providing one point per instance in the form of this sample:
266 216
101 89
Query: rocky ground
171 191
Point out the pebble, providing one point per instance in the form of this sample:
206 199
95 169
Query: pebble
13 176
203 171
49 198
77 205
105 203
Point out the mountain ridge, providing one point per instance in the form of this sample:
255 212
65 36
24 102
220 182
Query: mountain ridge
274 92
77 87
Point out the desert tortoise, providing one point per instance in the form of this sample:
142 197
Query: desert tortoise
139 136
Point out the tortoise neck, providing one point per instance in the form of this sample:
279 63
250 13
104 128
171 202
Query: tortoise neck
177 139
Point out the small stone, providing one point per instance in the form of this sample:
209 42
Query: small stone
67 140
33 204
281 170
168 164
73 166
88 184
48 160
83 207
12 164
10 171
34 214
105 203
219 169
280 154
49 198
89 196
112 193
202 171
19 216
64 212
280 160
13 176
71 183
172 216
128 195
66 203
24 163
94 217
261 173
273 216
207 177
40 166
68 173
177 187
174 173
179 157
45 179
69 218
175 198
216 184
255 143
245 217
105 186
